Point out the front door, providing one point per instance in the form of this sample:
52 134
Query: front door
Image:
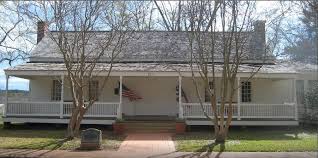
158 96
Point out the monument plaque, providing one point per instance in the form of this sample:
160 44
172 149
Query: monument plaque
91 139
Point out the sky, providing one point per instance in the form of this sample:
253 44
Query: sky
263 9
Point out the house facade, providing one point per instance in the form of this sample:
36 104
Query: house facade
154 71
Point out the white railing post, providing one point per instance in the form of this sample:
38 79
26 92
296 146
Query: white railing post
180 98
62 96
119 113
295 99
238 98
6 99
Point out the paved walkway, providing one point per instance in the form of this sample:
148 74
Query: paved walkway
147 144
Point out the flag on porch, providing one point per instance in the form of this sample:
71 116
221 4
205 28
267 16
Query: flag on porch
183 94
126 92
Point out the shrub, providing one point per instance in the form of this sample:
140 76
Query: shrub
311 103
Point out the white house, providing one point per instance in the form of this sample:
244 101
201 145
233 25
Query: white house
153 67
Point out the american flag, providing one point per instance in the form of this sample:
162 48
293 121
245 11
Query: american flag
131 95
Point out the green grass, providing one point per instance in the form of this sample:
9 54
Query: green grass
26 137
252 140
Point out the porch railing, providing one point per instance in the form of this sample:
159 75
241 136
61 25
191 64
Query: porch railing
194 110
262 111
99 109
33 109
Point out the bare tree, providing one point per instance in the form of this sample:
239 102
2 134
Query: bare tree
303 45
86 51
11 34
220 32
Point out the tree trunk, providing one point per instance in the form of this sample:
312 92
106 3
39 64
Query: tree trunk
214 109
72 124
78 122
70 128
220 136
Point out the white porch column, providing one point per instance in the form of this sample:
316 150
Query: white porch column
295 99
6 99
238 98
62 97
119 113
180 98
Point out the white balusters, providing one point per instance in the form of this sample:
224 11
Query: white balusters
194 110
53 109
33 109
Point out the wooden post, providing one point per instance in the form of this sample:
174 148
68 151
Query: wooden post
295 99
180 98
119 113
238 98
62 97
6 99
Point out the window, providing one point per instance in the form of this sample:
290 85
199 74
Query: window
93 90
300 91
207 97
56 90
246 92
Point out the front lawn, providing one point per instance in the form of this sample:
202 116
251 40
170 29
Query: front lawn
251 139
35 137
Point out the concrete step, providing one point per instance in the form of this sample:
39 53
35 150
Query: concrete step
150 131
153 127
150 118
148 121
149 126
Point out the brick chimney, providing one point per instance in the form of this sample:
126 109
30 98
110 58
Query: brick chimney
42 29
259 40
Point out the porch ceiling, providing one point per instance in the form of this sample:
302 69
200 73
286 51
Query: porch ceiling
35 69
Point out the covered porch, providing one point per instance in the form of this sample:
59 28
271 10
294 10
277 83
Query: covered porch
272 99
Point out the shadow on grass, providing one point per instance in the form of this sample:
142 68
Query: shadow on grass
250 133
207 151
51 145
39 130
21 151
204 152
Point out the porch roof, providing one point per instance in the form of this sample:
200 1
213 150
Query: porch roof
279 68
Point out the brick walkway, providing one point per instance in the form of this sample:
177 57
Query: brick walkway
147 144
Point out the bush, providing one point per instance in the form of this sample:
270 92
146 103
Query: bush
311 103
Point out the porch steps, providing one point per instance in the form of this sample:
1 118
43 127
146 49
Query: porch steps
150 126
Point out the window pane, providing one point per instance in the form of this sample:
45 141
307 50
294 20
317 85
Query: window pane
206 93
300 91
56 90
246 92
93 90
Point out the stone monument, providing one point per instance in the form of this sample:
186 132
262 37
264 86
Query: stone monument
91 139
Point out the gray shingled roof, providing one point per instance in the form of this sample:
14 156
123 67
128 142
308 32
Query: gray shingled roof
151 46
282 67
